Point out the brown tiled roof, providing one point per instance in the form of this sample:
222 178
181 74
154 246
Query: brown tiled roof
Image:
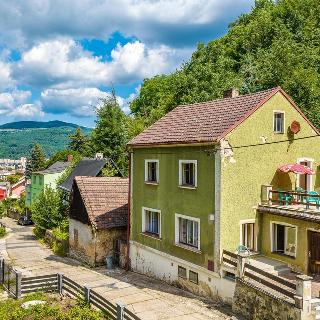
105 199
202 122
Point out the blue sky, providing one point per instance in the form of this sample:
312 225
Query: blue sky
58 58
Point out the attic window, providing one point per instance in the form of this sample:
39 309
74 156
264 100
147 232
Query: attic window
278 122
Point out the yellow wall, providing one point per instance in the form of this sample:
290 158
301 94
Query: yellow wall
250 167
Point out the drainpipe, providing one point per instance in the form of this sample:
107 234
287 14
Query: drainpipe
129 213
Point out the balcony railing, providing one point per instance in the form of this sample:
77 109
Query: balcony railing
307 200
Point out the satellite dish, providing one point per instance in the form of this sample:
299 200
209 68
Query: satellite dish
295 127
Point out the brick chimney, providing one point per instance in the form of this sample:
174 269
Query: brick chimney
70 158
231 93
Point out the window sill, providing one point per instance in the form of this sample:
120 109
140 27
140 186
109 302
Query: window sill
187 187
184 246
150 235
283 255
275 132
151 183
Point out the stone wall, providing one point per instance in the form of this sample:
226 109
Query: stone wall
92 246
255 304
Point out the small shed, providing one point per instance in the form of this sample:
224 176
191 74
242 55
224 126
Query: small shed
98 218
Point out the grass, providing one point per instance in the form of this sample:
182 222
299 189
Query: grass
56 308
3 232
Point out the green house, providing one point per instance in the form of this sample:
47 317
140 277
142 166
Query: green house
40 179
205 178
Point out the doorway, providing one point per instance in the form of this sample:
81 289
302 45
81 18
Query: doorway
314 252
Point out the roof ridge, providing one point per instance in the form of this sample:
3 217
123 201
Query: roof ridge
228 98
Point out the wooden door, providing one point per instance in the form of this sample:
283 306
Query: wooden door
314 252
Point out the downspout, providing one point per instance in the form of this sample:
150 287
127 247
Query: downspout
95 246
217 211
129 212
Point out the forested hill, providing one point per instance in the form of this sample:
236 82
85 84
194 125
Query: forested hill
17 138
38 124
277 44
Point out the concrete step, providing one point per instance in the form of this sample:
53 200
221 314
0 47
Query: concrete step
270 265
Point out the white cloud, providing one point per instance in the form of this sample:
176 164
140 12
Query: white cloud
65 64
10 100
5 76
152 21
80 102
29 110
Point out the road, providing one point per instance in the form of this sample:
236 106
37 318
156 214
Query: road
148 298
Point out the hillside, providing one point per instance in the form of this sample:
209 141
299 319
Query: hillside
276 44
38 124
17 139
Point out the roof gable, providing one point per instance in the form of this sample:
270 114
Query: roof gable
206 122
105 200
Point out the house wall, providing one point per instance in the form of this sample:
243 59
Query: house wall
92 246
300 262
168 197
243 174
38 183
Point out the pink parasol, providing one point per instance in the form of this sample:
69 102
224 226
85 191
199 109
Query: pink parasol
297 168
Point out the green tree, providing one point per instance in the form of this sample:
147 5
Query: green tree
110 134
78 141
48 210
276 44
36 161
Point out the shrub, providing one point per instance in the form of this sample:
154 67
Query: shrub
58 249
39 232
2 232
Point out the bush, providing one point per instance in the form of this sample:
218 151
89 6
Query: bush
2 232
39 232
58 249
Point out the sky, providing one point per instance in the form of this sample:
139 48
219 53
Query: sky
58 58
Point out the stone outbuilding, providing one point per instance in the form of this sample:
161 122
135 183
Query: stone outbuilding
98 219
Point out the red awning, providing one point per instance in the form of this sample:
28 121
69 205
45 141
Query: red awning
296 168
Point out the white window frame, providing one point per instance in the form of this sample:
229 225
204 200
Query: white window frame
310 162
273 241
255 239
177 231
144 209
284 121
195 162
146 171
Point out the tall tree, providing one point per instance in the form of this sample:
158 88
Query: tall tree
110 134
36 161
78 141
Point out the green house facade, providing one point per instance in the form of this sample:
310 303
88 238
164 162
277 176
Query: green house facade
205 178
41 179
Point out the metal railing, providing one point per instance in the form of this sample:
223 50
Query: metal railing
294 198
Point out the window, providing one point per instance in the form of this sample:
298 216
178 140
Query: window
188 231
151 171
278 122
248 235
193 277
284 239
151 222
188 173
182 272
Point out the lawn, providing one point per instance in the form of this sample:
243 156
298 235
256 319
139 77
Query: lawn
55 308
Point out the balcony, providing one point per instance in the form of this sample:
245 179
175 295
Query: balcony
300 205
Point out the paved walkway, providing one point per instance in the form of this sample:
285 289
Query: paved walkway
148 298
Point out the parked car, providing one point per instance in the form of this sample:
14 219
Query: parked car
25 221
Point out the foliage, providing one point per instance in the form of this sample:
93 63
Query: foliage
39 232
277 44
18 143
54 309
14 178
48 210
2 232
36 161
110 135
10 204
78 142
